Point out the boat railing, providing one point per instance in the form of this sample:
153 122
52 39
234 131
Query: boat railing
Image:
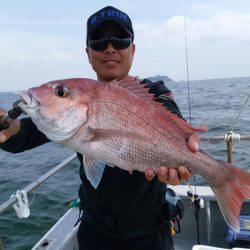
32 186
229 138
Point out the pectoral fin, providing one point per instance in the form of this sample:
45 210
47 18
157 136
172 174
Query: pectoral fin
93 170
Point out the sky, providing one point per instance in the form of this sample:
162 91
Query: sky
41 41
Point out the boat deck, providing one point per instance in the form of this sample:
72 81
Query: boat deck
212 227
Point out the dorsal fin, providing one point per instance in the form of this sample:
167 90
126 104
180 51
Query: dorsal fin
133 84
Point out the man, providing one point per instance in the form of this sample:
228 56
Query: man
127 210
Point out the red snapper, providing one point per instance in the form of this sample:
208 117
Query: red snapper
119 124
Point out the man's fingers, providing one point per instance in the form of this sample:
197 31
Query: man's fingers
2 137
5 135
150 174
184 173
2 112
13 128
163 174
173 177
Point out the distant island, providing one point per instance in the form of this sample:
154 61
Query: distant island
165 79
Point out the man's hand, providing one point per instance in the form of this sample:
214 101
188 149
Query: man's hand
12 130
170 176
173 176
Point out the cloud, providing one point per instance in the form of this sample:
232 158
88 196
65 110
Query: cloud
205 9
28 58
218 46
225 27
42 48
34 48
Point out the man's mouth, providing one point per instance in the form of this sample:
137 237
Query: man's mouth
111 62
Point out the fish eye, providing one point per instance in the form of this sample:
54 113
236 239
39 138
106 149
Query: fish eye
61 91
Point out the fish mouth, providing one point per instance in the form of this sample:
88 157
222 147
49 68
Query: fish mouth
28 101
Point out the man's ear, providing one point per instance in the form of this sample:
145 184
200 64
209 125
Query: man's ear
87 51
133 50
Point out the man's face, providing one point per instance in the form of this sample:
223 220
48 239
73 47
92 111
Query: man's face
110 63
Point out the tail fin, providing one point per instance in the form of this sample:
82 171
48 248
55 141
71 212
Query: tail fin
232 194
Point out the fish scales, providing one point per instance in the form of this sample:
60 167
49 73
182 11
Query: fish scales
128 117
121 117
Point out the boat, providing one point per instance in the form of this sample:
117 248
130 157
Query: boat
213 229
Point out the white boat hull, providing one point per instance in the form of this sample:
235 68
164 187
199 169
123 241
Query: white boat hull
63 235
212 227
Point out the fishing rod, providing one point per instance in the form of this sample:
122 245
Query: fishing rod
198 202
10 115
188 83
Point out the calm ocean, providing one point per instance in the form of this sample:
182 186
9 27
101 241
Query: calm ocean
215 103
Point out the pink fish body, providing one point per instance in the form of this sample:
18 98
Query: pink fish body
120 124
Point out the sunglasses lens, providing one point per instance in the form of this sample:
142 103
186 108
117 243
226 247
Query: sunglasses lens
117 43
99 45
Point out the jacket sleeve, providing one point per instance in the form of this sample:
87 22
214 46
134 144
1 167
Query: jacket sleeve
28 137
163 95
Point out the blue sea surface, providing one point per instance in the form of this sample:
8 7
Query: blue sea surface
215 103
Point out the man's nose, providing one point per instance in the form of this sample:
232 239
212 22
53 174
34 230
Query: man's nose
110 49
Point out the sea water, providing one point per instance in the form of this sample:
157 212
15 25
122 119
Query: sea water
215 103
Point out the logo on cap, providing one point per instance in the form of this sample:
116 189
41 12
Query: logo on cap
108 14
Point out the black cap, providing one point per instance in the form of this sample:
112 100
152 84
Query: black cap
112 14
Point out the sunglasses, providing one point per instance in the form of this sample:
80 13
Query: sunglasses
117 43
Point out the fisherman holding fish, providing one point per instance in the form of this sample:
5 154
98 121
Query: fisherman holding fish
132 203
121 209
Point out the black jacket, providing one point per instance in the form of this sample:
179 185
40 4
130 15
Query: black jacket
124 205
